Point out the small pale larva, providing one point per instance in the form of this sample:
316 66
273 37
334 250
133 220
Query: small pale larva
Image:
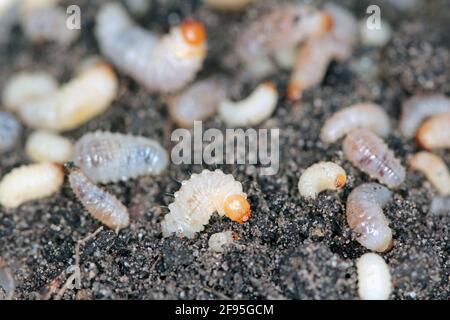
253 110
100 204
45 146
10 131
163 64
366 218
228 5
434 133
319 177
218 241
361 115
30 182
109 157
201 196
366 151
374 277
434 168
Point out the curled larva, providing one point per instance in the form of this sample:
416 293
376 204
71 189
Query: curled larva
162 64
366 151
45 146
374 277
434 168
100 204
201 196
361 115
434 133
109 157
228 5
10 131
319 177
84 97
218 241
30 182
366 218
419 107
440 205
252 110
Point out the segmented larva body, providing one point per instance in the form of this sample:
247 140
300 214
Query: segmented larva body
252 110
218 241
361 115
228 5
366 151
45 146
10 131
100 204
434 168
419 107
366 218
109 157
319 177
201 196
374 277
162 64
30 182
434 133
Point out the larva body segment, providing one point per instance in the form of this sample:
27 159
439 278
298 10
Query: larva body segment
30 182
374 277
10 131
434 168
434 133
218 241
45 146
361 115
366 151
201 196
110 157
163 64
319 177
100 204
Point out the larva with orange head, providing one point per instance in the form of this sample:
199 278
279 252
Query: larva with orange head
201 196
434 168
434 133
319 177
163 64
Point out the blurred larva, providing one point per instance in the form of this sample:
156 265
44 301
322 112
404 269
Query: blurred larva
319 177
228 5
361 115
30 182
366 151
434 168
109 157
434 133
162 64
374 277
45 146
84 97
10 131
218 241
366 218
252 110
201 196
419 107
100 204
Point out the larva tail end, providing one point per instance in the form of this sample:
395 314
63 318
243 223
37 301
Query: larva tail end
294 92
389 246
237 208
193 32
340 181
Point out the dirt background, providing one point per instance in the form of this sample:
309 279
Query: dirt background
291 248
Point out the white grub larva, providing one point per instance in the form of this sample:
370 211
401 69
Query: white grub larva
252 110
319 177
374 277
419 107
163 64
366 151
10 131
434 133
84 97
100 204
218 241
109 157
366 218
228 5
361 115
45 146
30 182
434 168
201 196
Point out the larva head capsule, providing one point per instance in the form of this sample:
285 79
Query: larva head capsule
237 208
193 32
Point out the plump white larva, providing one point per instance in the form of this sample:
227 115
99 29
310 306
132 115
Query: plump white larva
109 157
361 115
45 146
375 37
163 64
218 241
84 97
100 204
366 218
434 168
201 196
374 277
30 182
228 5
252 110
434 133
10 131
319 177
419 107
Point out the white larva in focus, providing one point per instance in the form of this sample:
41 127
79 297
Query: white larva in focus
361 115
434 133
374 277
46 146
366 218
434 168
228 5
319 177
201 196
110 157
218 241
252 110
376 37
10 131
30 182
163 64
